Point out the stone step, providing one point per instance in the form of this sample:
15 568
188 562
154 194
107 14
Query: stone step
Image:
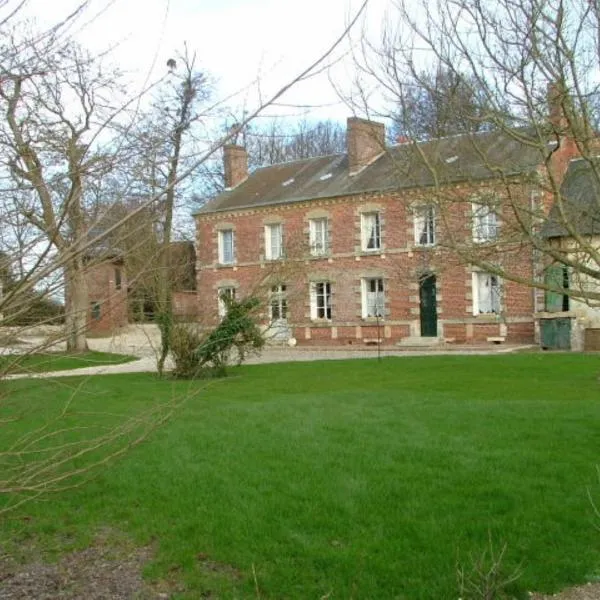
420 342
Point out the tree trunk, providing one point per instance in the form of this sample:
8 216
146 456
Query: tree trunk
76 307
165 304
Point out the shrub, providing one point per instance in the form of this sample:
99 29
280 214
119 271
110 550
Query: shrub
236 336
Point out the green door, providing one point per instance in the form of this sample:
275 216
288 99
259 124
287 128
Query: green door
428 306
563 334
556 334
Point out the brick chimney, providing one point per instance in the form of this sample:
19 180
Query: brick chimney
556 98
365 140
235 164
566 150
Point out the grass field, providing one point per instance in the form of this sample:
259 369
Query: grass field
343 479
59 361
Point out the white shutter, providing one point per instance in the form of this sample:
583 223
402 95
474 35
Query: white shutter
365 231
485 293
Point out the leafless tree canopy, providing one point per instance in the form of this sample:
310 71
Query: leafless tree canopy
89 173
527 70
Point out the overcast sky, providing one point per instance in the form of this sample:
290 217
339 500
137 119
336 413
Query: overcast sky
235 40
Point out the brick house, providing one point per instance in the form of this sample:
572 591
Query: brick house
352 248
183 273
121 271
107 294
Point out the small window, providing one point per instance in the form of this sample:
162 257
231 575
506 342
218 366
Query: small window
486 294
274 241
96 311
370 231
225 293
425 226
118 279
320 300
485 223
278 303
373 299
318 236
226 246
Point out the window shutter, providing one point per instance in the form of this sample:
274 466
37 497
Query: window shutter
267 242
553 299
485 293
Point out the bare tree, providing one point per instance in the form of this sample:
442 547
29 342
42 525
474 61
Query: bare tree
439 103
529 70
280 141
62 144
56 101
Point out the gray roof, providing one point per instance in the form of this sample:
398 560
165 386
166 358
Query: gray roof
452 159
580 198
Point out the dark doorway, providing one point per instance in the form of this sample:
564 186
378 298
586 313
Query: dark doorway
428 306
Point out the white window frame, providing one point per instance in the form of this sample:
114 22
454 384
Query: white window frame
424 223
278 298
228 290
487 293
485 223
224 257
274 241
318 236
370 231
373 300
320 301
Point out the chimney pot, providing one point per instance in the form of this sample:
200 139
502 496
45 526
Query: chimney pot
235 165
555 98
365 140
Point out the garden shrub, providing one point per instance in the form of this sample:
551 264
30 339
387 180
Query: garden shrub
233 339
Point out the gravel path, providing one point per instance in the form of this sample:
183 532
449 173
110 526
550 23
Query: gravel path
143 341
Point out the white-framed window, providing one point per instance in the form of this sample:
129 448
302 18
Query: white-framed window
320 300
487 293
274 241
425 225
318 234
226 246
373 298
485 223
278 303
370 224
225 292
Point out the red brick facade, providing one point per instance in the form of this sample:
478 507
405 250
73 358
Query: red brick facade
362 266
400 262
185 305
107 291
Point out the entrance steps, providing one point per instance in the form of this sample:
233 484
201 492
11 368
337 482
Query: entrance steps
416 341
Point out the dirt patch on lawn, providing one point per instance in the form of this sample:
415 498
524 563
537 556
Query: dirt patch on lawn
590 591
101 572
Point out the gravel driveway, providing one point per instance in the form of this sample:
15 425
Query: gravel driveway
143 341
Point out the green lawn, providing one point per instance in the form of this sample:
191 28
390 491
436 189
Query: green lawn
60 361
343 479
